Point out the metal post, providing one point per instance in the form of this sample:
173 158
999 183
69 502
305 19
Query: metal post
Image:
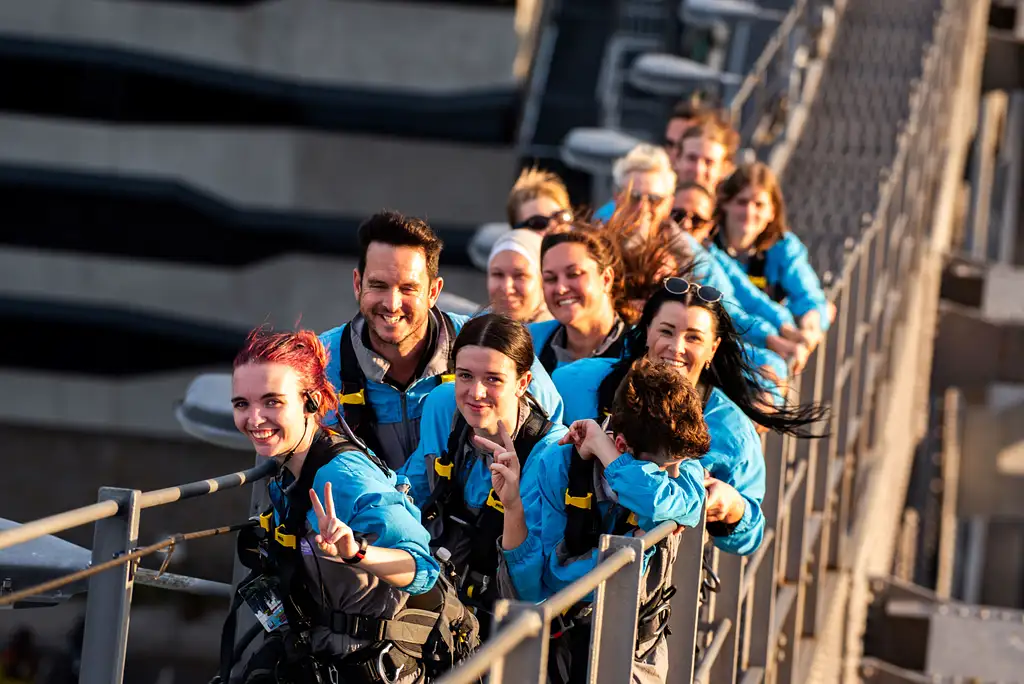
687 576
110 592
613 639
527 662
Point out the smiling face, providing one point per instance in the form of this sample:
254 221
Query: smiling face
575 287
513 285
697 210
702 161
395 293
747 215
487 389
268 404
683 337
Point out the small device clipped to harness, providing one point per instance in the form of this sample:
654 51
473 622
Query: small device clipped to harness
263 596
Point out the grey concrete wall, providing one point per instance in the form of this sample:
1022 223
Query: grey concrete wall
276 169
313 291
413 46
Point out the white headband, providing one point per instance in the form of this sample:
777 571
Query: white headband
511 245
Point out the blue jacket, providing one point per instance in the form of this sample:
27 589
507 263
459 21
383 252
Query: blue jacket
366 500
707 269
787 266
641 487
605 212
735 457
398 412
751 298
439 414
542 331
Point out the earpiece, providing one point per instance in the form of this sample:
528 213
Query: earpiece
311 406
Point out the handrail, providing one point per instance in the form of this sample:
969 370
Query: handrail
58 522
510 636
159 497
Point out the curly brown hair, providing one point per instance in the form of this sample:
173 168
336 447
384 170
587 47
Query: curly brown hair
659 413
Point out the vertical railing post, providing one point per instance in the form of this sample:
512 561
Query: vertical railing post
527 662
687 577
616 608
110 592
728 605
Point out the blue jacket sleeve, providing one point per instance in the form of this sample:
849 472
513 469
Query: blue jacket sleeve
750 297
654 496
369 503
798 279
707 269
737 460
332 343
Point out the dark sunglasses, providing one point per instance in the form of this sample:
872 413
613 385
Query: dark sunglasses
680 215
638 197
680 286
540 222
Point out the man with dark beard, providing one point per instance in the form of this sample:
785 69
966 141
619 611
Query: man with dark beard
398 347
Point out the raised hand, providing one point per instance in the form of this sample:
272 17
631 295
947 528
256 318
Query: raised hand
336 538
504 468
590 440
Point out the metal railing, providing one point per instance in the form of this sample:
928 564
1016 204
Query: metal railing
763 622
115 555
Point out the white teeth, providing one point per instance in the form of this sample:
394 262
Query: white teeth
567 301
391 319
261 434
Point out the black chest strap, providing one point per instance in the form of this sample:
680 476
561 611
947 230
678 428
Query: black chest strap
447 500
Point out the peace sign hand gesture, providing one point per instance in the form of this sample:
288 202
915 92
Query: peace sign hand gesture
336 538
505 468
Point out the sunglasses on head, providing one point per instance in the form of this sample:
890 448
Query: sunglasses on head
680 286
680 215
540 222
638 197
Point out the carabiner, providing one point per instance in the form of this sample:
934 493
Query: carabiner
382 672
332 674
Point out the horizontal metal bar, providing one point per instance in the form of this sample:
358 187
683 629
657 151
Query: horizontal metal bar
58 523
183 583
191 490
703 673
658 533
754 562
495 648
575 592
794 484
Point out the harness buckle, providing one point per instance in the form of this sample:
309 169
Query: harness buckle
266 521
494 502
584 502
332 674
354 398
447 377
443 469
283 538
381 669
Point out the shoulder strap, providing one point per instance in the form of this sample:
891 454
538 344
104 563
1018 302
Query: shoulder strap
449 329
616 348
445 467
609 386
354 405
325 447
582 519
534 428
547 356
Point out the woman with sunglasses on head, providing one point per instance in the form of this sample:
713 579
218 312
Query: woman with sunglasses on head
478 437
344 552
513 277
582 279
685 325
539 202
752 230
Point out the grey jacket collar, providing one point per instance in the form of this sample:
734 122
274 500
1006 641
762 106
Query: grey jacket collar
375 366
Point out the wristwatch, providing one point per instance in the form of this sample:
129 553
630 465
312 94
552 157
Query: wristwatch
360 554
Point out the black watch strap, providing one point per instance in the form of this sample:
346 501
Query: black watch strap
360 554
